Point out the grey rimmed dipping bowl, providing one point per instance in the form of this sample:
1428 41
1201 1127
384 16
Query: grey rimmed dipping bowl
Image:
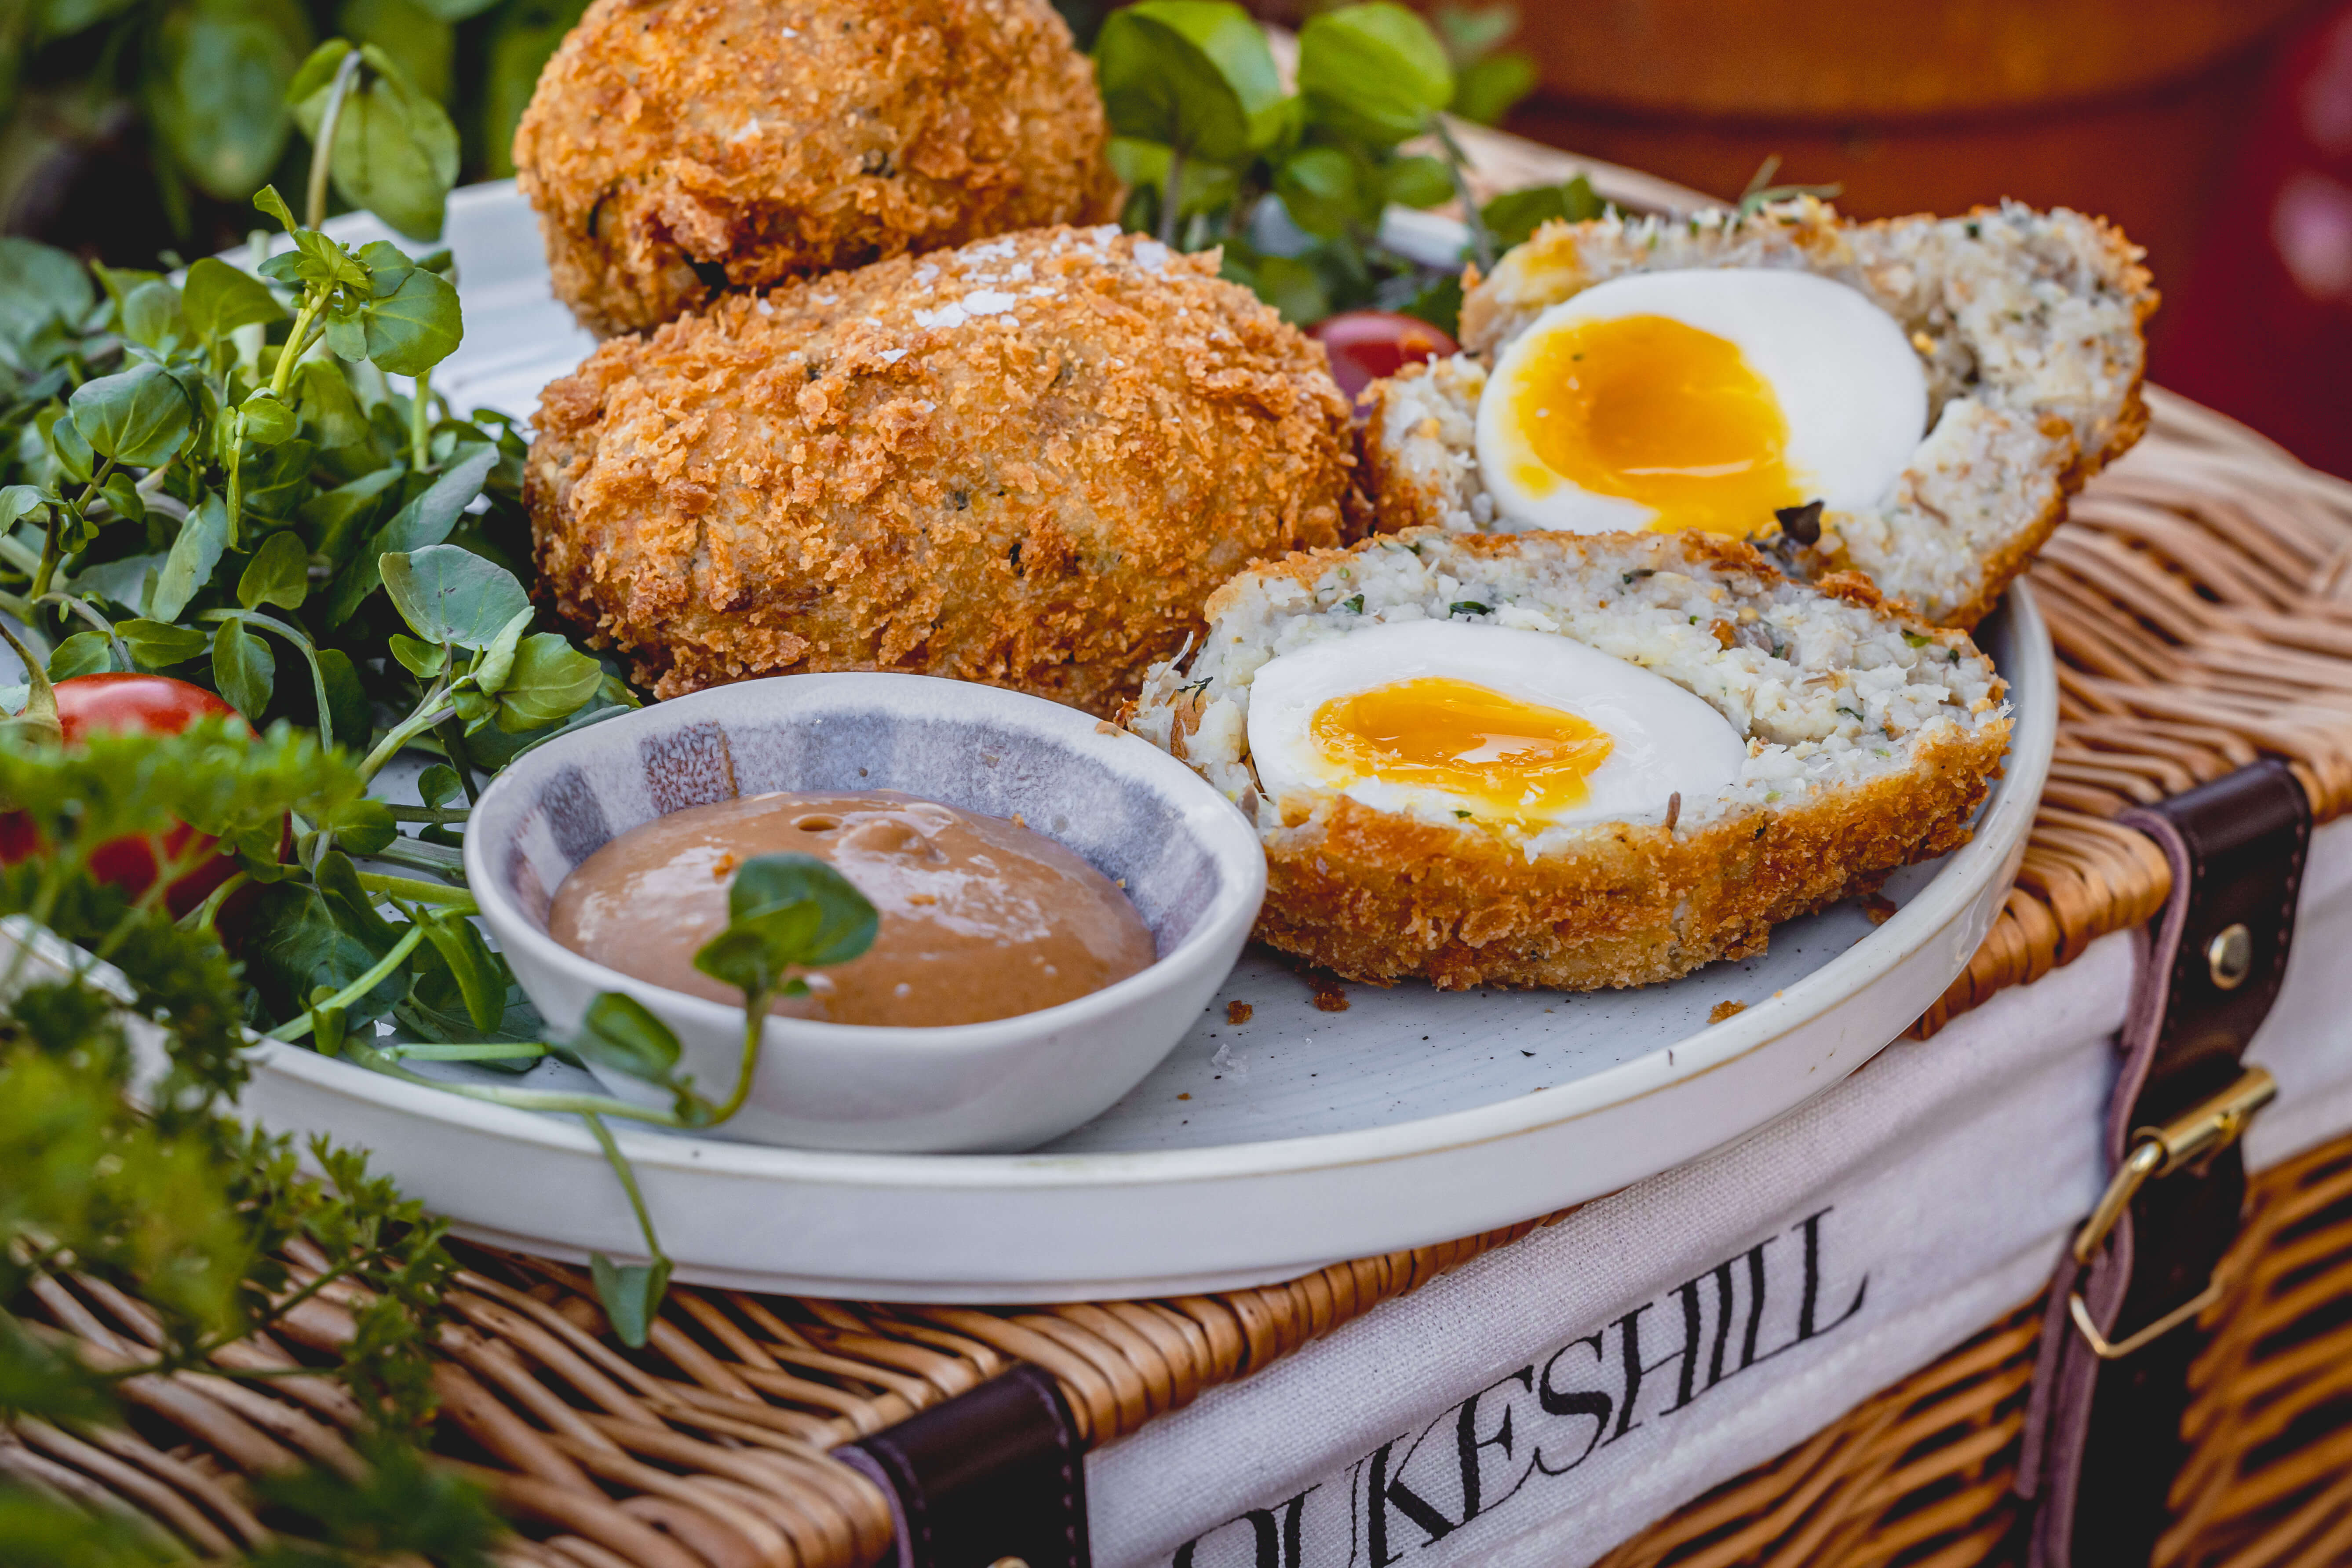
1190 862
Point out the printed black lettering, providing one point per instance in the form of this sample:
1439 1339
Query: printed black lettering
1291 1512
1755 1302
1276 1541
1383 1494
1466 1443
1590 1402
1722 1322
1806 1328
1685 1382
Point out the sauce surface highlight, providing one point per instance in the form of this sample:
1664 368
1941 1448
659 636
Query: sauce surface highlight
982 919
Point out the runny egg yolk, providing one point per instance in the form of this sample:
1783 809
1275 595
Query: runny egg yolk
1514 758
1660 413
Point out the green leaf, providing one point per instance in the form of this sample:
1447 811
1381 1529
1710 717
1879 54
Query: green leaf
523 37
449 594
1420 183
413 323
1373 71
151 317
362 828
631 1293
1288 284
1317 187
313 75
439 784
333 518
787 911
422 660
121 493
395 152
481 978
137 417
215 85
1182 73
551 680
299 940
324 400
423 43
40 287
278 574
1484 91
84 653
18 503
620 1033
278 479
1512 216
217 298
73 453
347 699
243 669
194 554
264 421
156 645
426 521
490 670
268 202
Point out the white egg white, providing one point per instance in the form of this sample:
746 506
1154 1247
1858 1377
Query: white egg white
1849 384
1664 742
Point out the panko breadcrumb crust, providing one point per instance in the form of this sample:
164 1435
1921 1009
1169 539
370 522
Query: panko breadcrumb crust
2028 325
673 148
1380 896
1026 462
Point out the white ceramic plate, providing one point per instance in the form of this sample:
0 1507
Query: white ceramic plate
1254 1152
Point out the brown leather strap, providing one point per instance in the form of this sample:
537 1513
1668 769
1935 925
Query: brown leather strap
996 1472
2102 1437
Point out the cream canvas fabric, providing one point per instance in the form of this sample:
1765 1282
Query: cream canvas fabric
1553 1398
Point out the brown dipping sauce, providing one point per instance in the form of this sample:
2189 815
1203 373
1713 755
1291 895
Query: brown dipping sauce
981 919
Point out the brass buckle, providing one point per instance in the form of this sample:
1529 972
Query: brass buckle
2158 1152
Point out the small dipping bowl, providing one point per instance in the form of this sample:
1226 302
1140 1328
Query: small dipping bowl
1189 861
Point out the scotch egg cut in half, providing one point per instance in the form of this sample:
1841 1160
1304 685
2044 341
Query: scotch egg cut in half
1568 760
1912 399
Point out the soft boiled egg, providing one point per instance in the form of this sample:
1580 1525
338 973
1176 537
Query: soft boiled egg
1700 398
1466 721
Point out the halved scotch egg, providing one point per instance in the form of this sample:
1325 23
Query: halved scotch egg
1570 760
1938 385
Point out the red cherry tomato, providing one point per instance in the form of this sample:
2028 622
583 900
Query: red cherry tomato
140 704
1365 345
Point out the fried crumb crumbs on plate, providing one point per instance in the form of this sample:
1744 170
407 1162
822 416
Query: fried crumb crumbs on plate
1020 821
724 867
1328 996
1184 1096
1880 908
1238 1012
1722 1010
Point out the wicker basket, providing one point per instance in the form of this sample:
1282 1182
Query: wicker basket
2200 599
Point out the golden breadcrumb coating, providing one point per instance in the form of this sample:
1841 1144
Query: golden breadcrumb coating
677 147
1026 462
